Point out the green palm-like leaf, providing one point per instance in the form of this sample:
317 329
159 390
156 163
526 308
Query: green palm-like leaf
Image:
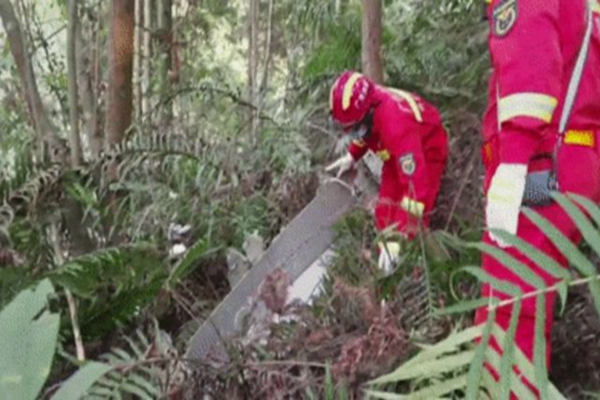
133 376
539 348
28 336
540 258
503 286
589 206
78 384
462 307
588 231
570 251
516 384
508 349
476 369
512 263
432 352
430 392
525 366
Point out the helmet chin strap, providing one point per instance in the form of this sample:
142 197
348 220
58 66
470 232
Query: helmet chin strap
359 134
363 130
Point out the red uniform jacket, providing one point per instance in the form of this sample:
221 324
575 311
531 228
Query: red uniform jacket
534 45
406 134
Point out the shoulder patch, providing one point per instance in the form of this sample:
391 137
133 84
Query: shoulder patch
407 164
504 16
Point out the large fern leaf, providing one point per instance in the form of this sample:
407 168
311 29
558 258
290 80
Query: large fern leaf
456 365
114 285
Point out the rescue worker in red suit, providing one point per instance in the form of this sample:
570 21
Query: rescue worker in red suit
534 46
406 132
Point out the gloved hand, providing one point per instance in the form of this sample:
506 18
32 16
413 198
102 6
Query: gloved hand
344 163
504 199
388 256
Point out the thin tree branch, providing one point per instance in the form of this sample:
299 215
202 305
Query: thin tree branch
76 152
263 83
231 95
76 330
45 45
45 131
460 190
46 39
60 260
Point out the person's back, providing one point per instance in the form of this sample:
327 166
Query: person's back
586 108
406 132
415 109
532 67
543 121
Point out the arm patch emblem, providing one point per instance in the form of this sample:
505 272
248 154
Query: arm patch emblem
407 164
504 16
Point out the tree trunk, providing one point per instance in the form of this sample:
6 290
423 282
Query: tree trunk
169 75
253 66
99 92
137 58
86 61
371 40
338 7
46 133
146 54
120 95
265 77
76 153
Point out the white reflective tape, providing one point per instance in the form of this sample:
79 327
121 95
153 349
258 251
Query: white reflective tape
535 105
412 103
349 89
412 206
577 72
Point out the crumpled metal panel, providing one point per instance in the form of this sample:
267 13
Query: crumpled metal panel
301 242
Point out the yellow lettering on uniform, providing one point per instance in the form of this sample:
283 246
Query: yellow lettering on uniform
581 138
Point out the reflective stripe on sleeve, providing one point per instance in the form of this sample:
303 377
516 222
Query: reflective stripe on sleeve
535 105
412 206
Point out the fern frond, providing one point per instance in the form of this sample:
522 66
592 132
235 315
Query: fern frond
119 267
440 369
144 370
129 374
43 182
114 284
156 144
455 364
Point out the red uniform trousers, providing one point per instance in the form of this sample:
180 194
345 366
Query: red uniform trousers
579 173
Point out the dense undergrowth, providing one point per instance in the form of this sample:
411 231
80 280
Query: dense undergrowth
100 249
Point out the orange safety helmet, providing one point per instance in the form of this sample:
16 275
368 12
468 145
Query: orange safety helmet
350 99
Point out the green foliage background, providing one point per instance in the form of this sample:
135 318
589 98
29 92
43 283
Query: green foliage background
201 167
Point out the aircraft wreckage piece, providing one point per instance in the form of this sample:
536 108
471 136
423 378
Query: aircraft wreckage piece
302 242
